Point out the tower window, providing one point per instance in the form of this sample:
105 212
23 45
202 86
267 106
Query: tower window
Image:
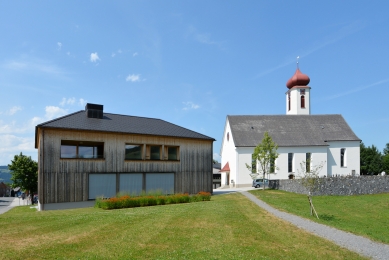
302 101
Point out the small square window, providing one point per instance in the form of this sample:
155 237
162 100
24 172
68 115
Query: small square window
155 152
172 153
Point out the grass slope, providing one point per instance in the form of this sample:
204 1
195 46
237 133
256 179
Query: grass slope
227 227
366 215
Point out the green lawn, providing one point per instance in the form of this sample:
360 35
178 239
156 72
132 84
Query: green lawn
366 215
227 227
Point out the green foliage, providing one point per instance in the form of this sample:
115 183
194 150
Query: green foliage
386 149
24 172
127 201
370 160
310 175
265 154
385 163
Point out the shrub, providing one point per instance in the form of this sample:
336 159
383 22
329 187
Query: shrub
126 201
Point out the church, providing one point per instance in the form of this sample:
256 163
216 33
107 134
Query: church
301 137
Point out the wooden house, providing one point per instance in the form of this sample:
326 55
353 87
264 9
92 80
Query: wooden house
91 153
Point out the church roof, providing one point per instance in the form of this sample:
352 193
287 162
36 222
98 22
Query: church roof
290 130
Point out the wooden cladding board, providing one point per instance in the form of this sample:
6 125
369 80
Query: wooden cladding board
66 180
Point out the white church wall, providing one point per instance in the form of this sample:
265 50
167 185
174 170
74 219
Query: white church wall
228 154
318 155
244 155
352 158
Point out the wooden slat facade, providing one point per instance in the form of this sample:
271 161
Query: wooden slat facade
66 180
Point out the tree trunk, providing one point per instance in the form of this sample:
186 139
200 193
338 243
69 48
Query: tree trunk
263 178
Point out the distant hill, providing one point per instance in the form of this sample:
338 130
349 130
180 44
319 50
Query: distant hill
5 174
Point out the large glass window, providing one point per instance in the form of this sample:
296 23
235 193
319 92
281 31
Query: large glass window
163 182
102 185
290 162
343 157
82 149
131 183
133 152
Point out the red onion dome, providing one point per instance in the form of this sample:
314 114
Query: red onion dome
298 79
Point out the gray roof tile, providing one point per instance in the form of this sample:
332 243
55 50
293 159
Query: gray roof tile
290 130
122 124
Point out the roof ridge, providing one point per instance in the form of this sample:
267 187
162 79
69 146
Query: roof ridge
131 116
291 115
58 118
162 121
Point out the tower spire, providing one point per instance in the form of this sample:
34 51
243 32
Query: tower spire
298 57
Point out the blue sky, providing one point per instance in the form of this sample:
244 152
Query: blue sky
191 63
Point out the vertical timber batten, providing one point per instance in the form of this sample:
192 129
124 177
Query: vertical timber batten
67 180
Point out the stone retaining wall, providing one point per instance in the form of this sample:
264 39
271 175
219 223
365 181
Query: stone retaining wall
350 185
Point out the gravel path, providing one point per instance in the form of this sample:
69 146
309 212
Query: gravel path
352 242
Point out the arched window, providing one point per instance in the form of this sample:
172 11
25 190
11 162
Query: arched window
343 157
302 101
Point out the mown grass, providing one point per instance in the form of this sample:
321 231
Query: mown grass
227 227
366 215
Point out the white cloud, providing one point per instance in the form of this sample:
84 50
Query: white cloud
69 101
94 57
343 32
13 110
32 66
113 54
59 45
133 78
119 51
190 105
68 53
204 38
12 145
54 112
82 102
357 89
135 54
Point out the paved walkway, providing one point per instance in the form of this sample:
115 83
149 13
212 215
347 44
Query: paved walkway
15 202
361 245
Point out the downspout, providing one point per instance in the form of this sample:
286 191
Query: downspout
43 170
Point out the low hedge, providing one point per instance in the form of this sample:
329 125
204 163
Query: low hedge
126 201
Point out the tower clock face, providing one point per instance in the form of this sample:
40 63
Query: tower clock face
302 91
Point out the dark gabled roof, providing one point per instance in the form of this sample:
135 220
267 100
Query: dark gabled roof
121 124
290 130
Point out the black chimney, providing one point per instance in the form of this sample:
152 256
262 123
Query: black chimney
94 111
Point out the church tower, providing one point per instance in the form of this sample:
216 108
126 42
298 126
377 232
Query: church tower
298 95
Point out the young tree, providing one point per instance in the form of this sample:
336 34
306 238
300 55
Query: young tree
310 179
24 173
265 154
